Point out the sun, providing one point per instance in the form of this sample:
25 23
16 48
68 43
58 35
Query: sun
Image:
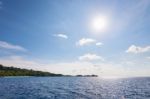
99 24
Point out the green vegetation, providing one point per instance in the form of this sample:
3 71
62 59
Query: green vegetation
12 71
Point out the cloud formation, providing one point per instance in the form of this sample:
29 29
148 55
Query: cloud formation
90 57
61 36
6 45
88 41
137 49
99 44
85 41
103 69
68 68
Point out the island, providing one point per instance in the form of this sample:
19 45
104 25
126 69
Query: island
87 75
14 71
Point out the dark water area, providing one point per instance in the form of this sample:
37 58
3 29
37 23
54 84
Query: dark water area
74 88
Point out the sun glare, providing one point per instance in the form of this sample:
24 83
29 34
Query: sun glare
99 24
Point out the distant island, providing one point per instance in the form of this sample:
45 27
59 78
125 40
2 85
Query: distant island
87 75
13 71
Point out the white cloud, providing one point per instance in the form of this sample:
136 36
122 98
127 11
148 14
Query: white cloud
68 68
90 57
61 36
6 45
103 69
21 62
137 49
88 41
99 44
85 41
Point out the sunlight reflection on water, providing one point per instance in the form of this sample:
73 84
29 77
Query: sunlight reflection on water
74 88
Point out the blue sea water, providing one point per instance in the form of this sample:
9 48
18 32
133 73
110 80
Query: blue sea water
74 88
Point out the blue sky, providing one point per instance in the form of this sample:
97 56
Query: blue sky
61 36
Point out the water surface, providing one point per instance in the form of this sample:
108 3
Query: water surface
74 88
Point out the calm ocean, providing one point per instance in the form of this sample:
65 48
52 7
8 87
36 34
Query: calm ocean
74 88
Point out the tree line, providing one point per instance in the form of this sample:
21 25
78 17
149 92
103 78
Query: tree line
13 71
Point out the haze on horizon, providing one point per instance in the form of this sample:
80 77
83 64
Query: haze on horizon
103 37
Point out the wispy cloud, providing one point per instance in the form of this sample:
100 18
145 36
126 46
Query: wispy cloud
90 57
85 41
137 49
99 44
64 36
19 61
103 69
88 41
68 68
9 46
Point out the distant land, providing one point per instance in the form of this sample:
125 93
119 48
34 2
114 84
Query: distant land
13 71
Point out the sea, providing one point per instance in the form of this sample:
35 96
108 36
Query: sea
74 88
